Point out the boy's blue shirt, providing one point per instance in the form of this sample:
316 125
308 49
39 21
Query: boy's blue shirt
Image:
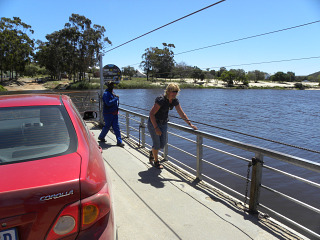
110 102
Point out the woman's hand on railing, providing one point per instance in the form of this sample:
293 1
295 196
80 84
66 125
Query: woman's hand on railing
193 126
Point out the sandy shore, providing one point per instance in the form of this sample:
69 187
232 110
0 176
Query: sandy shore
24 84
260 84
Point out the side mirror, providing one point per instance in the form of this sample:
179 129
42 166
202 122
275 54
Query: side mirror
89 115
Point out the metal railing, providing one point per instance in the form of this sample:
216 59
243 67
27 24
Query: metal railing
256 162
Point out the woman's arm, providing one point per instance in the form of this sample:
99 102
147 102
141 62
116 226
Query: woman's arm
184 116
153 120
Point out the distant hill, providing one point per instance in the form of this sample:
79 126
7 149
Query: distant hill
316 74
314 77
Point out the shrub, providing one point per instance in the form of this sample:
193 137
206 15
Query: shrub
2 89
299 86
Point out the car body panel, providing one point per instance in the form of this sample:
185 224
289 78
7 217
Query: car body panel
36 191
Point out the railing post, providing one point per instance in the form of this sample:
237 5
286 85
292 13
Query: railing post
256 177
199 156
165 150
143 132
127 125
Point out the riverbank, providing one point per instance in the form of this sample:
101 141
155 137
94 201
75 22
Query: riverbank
23 84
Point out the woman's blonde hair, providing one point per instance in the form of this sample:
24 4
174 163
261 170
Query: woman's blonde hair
171 87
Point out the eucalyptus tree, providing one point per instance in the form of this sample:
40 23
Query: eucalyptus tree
129 71
256 75
16 47
240 75
291 76
182 70
87 41
158 62
228 77
54 54
279 77
73 49
197 74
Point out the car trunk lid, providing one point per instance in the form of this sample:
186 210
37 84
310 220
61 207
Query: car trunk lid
36 191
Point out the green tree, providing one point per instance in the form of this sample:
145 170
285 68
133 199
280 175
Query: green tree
182 70
239 75
291 77
197 74
279 77
158 62
256 75
228 77
87 41
74 49
16 47
221 70
128 71
54 54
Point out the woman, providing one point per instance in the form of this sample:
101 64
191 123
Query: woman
158 119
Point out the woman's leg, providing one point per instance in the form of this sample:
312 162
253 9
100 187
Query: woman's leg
163 137
155 154
155 141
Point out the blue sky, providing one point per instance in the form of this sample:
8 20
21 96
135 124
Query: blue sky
227 21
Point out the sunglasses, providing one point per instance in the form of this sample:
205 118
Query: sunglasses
175 91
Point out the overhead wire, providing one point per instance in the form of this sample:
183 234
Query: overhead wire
156 29
249 37
245 38
236 40
274 61
233 131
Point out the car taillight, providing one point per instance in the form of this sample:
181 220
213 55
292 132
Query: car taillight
95 207
92 209
67 223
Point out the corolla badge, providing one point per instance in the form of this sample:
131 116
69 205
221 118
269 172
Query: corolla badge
56 195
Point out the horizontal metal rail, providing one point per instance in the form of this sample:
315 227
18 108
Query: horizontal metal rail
227 153
181 150
181 163
187 139
292 199
291 221
256 163
293 176
224 169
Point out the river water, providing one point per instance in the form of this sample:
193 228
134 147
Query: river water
286 116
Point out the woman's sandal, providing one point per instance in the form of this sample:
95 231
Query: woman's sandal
158 165
151 158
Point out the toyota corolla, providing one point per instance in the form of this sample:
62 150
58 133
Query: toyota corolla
53 183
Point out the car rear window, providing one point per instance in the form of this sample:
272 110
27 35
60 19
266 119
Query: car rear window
31 133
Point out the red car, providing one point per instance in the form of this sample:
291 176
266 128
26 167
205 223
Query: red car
53 183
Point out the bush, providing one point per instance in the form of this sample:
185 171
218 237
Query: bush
2 89
299 86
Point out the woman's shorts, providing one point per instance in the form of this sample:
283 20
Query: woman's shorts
158 141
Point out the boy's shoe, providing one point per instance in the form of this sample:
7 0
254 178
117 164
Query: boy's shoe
120 144
102 139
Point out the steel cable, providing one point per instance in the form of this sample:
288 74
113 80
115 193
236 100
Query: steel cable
166 25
